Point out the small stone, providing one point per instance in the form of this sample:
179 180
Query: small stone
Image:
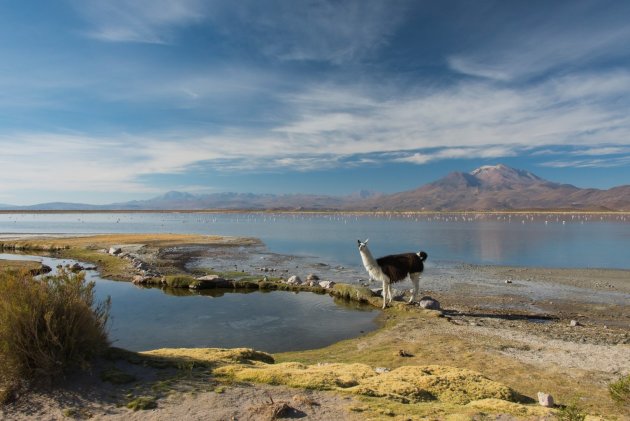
545 399
208 278
429 303
326 284
312 277
381 370
294 280
574 323
507 281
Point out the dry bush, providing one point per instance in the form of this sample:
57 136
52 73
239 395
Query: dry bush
48 326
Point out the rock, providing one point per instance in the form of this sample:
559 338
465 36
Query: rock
326 284
429 303
312 283
294 280
216 282
138 279
508 281
76 268
45 269
312 277
208 278
545 399
115 251
403 353
381 370
574 323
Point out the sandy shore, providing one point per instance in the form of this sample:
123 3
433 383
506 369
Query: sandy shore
511 324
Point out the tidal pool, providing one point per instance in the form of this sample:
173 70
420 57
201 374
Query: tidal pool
276 321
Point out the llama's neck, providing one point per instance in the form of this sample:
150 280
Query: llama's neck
370 264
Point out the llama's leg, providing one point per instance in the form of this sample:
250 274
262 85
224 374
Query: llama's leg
384 293
415 280
389 292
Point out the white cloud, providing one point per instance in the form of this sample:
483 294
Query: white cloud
143 21
590 163
330 126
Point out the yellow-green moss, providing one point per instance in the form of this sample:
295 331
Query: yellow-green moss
210 356
142 403
321 377
408 383
511 408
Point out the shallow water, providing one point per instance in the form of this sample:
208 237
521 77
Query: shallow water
148 318
542 240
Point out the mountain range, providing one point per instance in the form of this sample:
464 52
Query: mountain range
490 187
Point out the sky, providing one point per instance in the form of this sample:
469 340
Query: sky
108 101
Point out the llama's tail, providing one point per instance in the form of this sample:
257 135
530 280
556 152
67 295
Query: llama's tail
422 255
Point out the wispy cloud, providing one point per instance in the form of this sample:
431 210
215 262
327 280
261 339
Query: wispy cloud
589 163
320 30
142 21
537 43
332 126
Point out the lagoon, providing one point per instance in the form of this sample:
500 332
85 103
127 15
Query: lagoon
274 321
574 240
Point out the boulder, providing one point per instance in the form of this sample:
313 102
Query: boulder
312 277
209 283
294 280
326 284
545 399
115 251
76 268
429 303
208 278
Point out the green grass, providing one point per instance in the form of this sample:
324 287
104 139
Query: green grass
178 281
116 376
47 327
620 390
142 403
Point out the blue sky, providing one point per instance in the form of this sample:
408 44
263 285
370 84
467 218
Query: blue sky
105 101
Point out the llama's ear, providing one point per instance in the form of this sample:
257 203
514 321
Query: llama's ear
366 240
359 241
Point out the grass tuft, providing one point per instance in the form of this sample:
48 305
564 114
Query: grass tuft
142 403
620 390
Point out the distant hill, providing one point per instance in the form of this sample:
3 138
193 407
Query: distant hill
490 187
500 187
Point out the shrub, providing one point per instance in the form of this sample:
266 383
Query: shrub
620 390
48 326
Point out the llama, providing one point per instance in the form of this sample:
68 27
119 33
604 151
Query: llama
393 268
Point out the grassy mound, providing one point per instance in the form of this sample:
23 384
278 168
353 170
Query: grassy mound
209 356
47 326
405 384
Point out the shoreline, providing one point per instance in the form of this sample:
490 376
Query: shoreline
331 211
486 325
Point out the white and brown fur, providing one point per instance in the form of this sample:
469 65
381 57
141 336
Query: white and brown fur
393 268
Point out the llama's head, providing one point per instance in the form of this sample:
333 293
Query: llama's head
362 244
